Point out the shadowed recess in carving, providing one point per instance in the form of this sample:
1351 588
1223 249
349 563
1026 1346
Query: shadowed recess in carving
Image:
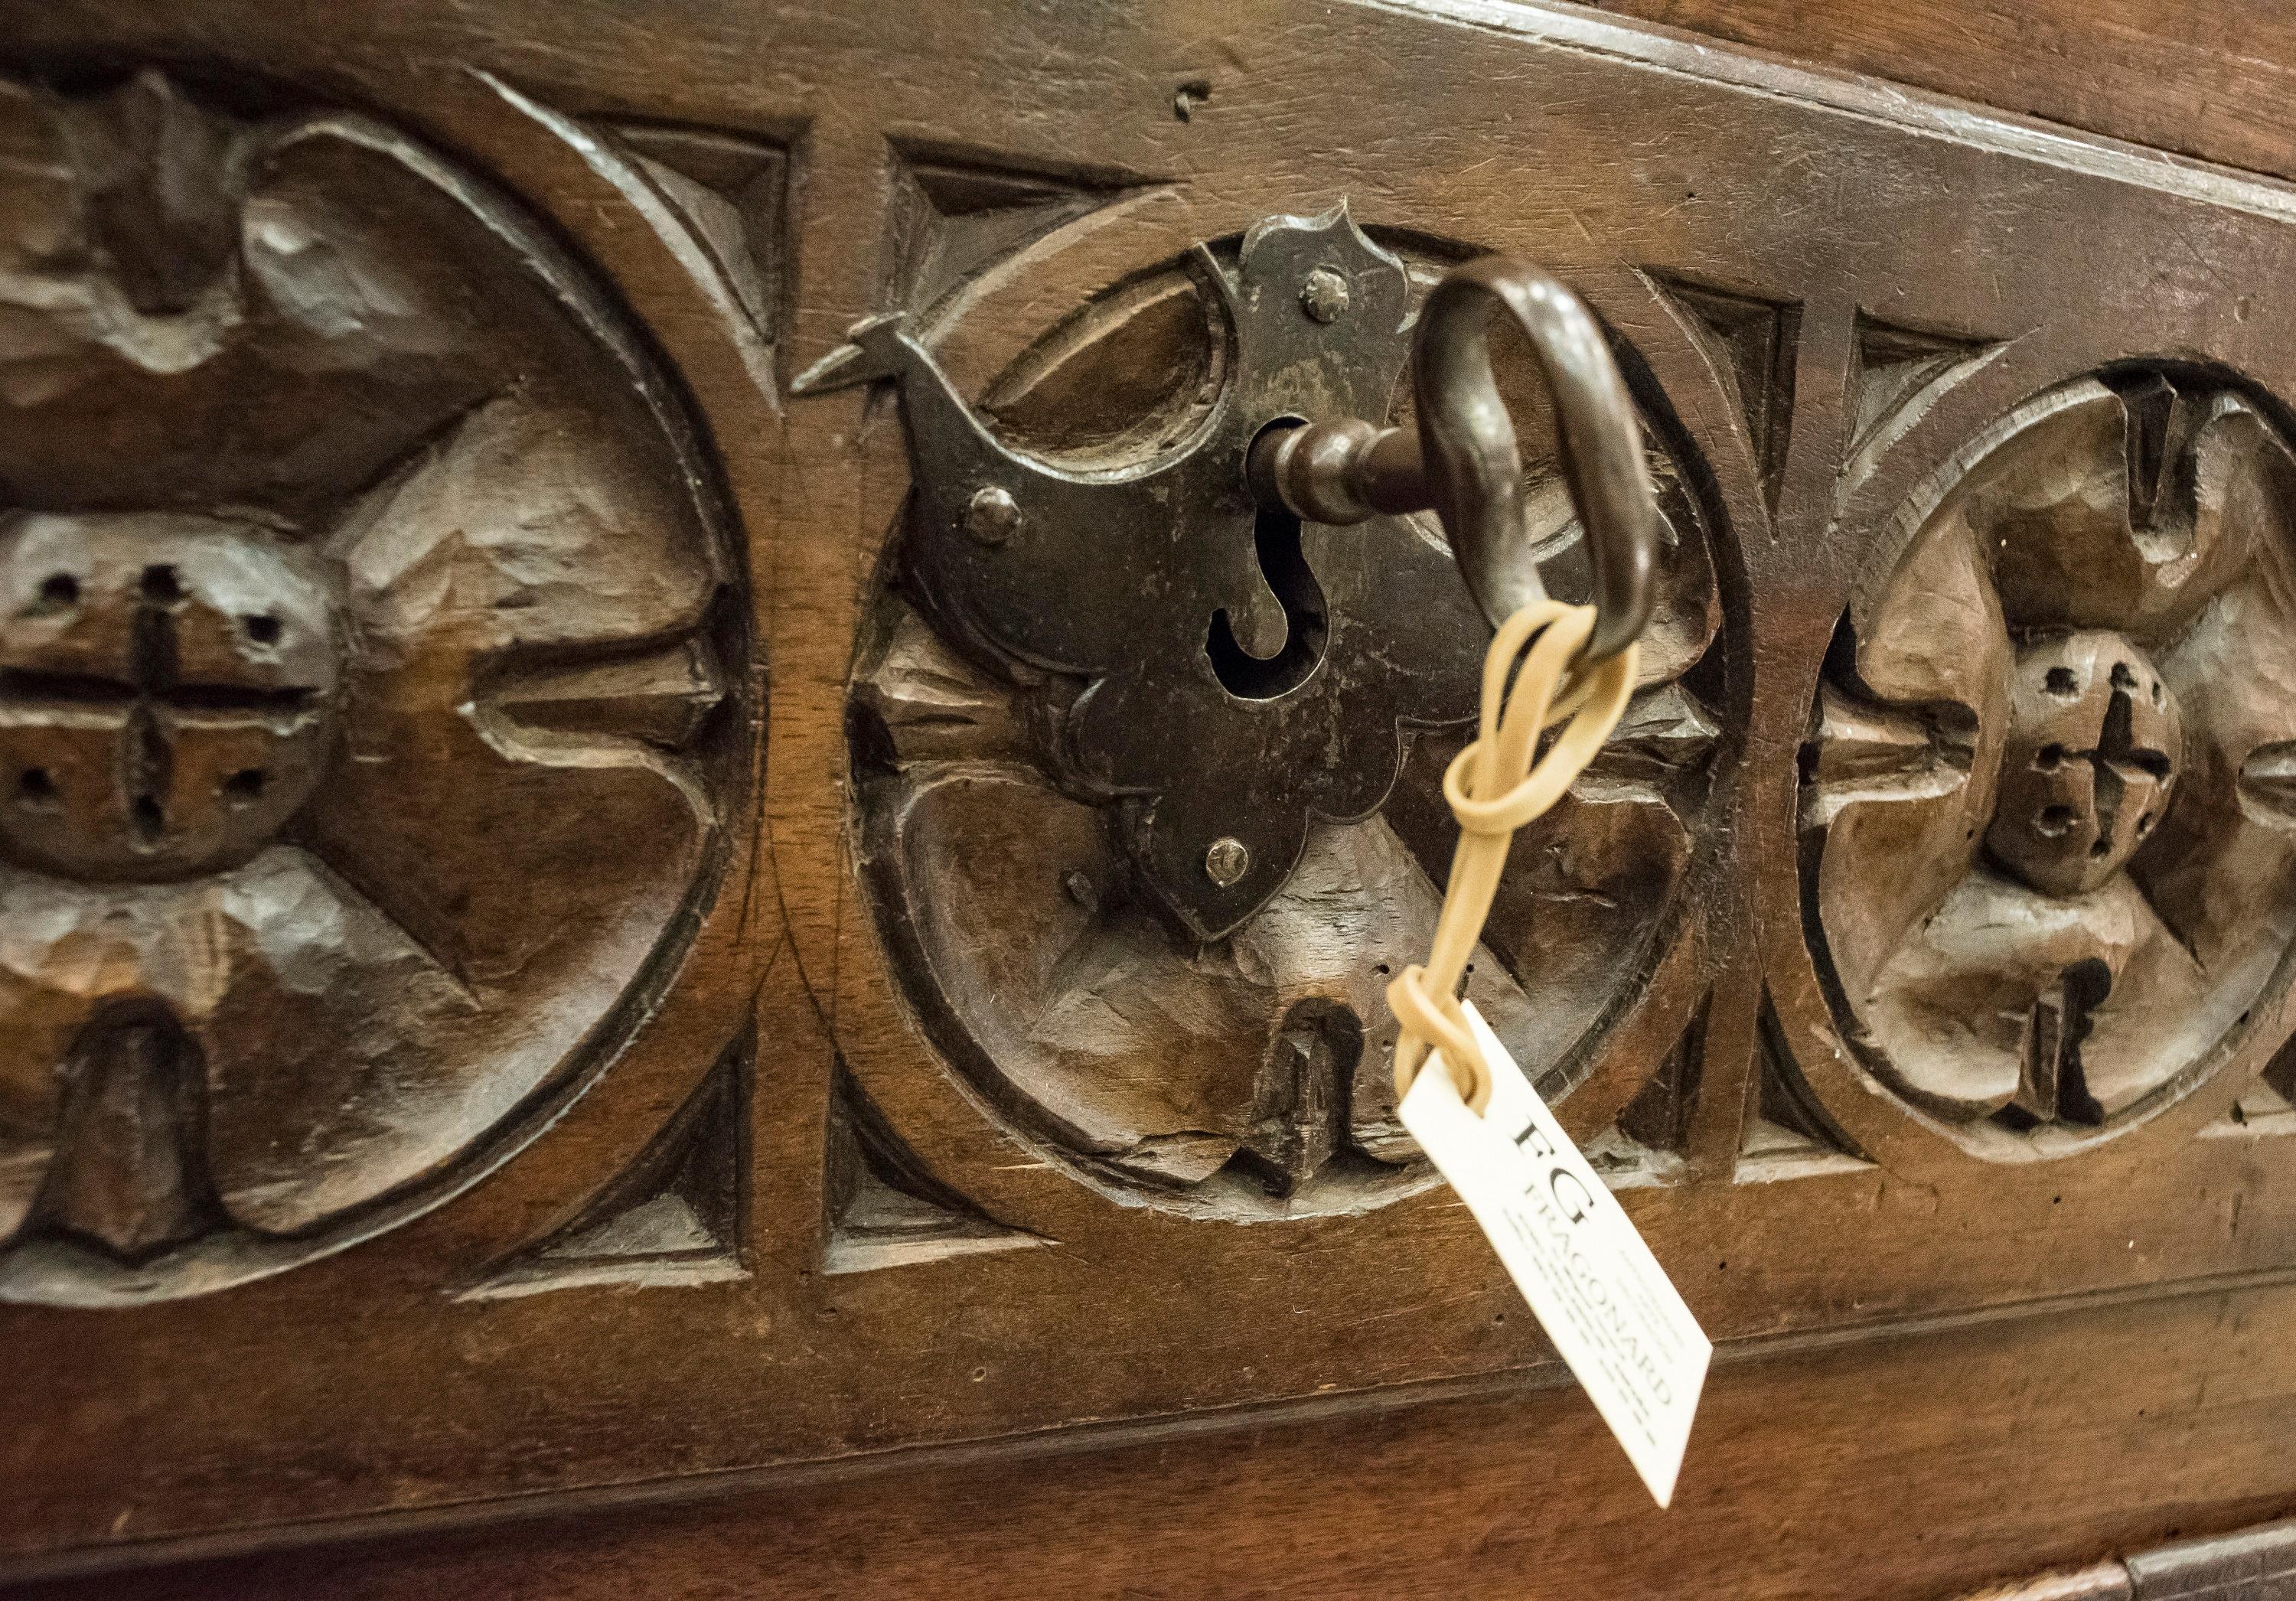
886 1210
1648 1142
2051 863
1752 345
1784 1134
718 200
1898 373
677 1216
363 575
955 216
131 1174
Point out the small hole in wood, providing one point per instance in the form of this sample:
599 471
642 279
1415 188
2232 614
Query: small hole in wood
2060 681
263 628
2054 821
60 589
2049 758
245 787
36 787
161 585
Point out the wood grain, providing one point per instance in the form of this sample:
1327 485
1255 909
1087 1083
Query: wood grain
2217 81
1911 1467
781 1236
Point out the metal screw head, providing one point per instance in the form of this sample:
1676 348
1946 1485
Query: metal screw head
991 516
1324 295
1228 861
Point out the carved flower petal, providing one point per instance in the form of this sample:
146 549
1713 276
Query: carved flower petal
2081 543
480 770
2163 1012
1905 780
337 1053
1584 888
56 965
1686 609
1079 1001
2242 486
1957 999
2221 868
1357 909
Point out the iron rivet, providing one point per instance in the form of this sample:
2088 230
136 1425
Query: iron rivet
1226 862
992 515
1324 295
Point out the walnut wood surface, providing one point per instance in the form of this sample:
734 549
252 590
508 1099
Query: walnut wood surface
761 1190
2201 78
1917 1466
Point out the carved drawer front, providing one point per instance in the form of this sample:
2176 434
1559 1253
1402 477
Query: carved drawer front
569 915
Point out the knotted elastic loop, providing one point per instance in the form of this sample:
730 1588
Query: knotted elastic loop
1495 787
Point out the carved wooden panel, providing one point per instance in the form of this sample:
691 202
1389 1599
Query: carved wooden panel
2055 869
461 1037
357 576
995 832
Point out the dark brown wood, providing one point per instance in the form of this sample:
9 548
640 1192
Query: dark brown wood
2201 80
1869 1489
547 957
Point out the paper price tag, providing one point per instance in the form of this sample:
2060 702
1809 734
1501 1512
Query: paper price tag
1594 1286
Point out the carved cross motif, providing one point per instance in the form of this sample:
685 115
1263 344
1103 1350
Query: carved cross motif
2050 764
337 623
2094 742
163 684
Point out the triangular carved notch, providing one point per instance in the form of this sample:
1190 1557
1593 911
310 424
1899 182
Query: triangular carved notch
677 1216
718 200
1785 1134
2268 1105
733 191
1650 1142
1899 371
1752 345
886 1209
953 216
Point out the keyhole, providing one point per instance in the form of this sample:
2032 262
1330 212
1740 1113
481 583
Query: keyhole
1276 538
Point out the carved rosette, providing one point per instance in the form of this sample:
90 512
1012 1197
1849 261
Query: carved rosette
2052 765
1249 1074
354 585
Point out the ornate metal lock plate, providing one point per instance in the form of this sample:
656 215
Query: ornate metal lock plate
1230 672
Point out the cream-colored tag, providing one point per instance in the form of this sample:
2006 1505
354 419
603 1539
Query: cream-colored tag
1596 1289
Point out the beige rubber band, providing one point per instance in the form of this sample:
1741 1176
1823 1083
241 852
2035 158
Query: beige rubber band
1495 787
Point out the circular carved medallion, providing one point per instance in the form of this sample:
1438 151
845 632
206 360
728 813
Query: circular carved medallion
1245 1071
2051 765
355 585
